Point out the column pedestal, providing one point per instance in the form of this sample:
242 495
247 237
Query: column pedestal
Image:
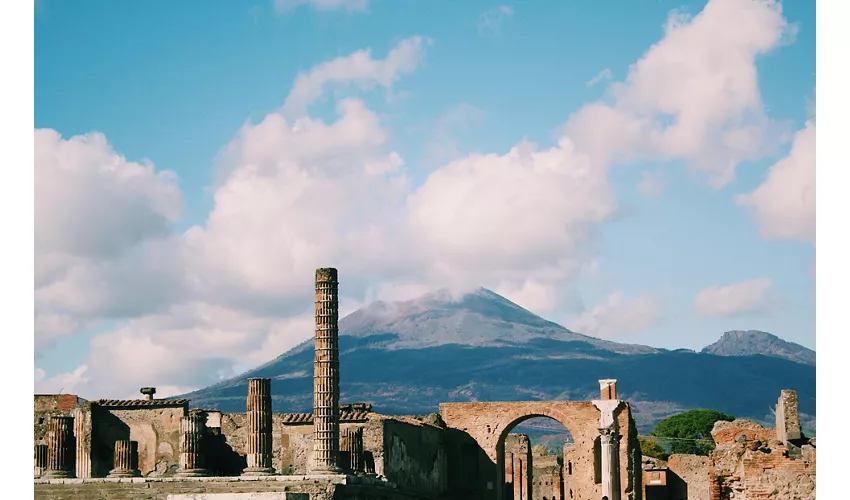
126 459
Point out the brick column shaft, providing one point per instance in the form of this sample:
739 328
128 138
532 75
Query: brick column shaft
192 428
61 451
259 406
326 373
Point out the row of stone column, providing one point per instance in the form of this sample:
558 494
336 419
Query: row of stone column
57 458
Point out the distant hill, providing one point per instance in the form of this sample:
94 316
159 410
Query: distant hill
754 342
407 357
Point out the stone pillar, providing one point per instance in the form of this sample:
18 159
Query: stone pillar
61 450
787 417
608 389
192 428
326 374
610 449
126 461
82 438
259 417
40 460
351 442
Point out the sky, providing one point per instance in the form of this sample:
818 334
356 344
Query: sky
636 171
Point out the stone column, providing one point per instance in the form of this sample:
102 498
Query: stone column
192 428
40 460
259 415
787 417
326 374
82 438
61 451
126 459
610 449
352 443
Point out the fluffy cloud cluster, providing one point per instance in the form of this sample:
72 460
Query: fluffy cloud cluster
738 299
784 204
693 96
297 193
618 316
101 225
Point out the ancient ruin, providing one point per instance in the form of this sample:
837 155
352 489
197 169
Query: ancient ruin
163 449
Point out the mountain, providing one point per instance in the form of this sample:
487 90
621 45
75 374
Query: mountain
407 357
754 342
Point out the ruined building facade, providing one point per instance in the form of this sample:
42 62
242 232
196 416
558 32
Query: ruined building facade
158 448
750 462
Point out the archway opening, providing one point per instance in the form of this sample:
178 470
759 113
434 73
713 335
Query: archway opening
537 458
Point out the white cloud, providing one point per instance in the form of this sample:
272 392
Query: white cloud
617 316
443 146
507 216
602 76
784 204
358 69
323 5
492 20
63 383
693 96
99 220
738 299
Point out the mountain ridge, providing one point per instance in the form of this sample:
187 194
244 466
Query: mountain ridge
407 357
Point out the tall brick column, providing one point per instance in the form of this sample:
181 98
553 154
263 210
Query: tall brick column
40 460
125 463
61 451
610 441
259 406
352 444
192 428
326 373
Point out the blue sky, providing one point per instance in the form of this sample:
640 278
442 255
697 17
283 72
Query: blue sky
175 82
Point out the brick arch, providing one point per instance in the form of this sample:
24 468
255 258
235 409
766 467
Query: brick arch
489 423
510 421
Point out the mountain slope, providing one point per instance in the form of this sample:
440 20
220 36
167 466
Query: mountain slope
407 357
753 342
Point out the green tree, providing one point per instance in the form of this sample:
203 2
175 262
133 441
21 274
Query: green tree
689 432
650 447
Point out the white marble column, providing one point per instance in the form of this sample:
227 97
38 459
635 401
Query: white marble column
610 441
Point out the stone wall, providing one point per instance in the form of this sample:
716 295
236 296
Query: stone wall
546 478
290 488
758 469
414 455
155 427
687 477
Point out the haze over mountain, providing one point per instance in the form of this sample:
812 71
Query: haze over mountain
407 357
